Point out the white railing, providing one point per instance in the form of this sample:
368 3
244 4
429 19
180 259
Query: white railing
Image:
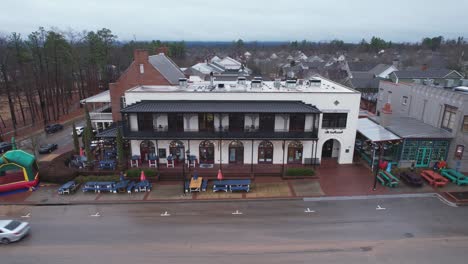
100 116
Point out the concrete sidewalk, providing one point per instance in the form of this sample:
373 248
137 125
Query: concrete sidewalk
343 180
169 191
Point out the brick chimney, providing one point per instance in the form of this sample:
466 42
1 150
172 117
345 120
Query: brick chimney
162 49
140 56
386 115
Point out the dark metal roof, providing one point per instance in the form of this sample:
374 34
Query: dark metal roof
181 106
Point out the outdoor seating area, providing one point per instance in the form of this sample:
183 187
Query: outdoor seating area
411 178
388 179
231 185
434 178
107 164
454 176
68 188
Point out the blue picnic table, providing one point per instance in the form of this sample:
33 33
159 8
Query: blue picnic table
107 164
131 187
231 185
143 186
120 187
68 187
98 186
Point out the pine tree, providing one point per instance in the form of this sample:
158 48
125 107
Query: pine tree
120 150
88 137
76 143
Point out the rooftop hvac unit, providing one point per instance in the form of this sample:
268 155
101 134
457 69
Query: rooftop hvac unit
290 83
277 84
183 82
241 80
256 84
315 82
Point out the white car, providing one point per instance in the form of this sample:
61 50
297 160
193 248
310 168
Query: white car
80 130
13 230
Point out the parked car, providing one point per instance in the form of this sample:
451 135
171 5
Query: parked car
80 130
47 148
411 178
49 129
13 230
5 146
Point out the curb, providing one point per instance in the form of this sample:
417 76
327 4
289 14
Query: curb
231 200
173 201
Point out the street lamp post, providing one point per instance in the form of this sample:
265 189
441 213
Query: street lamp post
178 154
378 147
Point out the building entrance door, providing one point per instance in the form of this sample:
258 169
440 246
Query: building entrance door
327 149
424 157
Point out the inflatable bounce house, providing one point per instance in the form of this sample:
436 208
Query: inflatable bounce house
18 171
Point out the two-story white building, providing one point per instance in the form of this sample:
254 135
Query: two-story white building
243 122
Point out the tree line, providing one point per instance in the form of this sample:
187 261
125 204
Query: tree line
43 73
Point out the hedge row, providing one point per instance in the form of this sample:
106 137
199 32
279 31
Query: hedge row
300 172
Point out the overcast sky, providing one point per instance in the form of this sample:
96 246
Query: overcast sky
314 20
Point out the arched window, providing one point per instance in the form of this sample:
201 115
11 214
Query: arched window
295 152
206 151
236 152
265 152
177 149
147 149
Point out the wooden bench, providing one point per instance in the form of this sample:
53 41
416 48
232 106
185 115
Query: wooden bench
456 177
433 178
387 179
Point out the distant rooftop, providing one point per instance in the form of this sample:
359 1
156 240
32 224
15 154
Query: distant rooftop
314 85
419 74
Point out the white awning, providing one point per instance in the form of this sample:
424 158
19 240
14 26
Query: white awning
374 131
103 97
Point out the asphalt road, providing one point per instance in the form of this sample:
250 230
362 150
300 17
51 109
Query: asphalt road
62 138
416 230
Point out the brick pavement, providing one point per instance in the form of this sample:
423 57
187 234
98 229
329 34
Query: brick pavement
343 180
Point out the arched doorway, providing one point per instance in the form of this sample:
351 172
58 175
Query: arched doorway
177 150
147 149
236 152
206 151
265 152
331 149
295 152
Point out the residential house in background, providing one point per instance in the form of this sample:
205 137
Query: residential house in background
222 69
383 71
435 77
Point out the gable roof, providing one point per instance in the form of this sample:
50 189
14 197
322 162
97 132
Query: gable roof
380 68
418 74
166 67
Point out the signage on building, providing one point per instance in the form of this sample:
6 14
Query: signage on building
459 151
333 131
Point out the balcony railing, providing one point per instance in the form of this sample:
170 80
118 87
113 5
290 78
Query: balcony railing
164 134
100 116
